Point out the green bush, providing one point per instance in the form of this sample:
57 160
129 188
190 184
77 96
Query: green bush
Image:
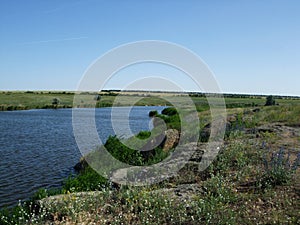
87 180
278 170
171 111
172 122
44 193
230 158
143 134
158 155
270 100
153 113
123 153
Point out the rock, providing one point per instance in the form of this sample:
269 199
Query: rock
233 123
148 149
231 118
171 139
205 133
158 122
54 201
256 110
154 142
81 165
183 192
265 129
167 140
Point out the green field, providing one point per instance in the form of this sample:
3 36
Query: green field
19 100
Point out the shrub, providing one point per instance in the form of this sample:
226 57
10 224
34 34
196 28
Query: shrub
158 155
97 97
172 122
171 111
230 158
123 153
270 100
55 102
44 193
143 134
87 180
153 113
279 169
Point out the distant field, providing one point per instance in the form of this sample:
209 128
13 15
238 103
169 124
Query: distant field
33 100
19 100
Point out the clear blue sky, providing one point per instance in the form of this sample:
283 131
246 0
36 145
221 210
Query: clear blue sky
251 46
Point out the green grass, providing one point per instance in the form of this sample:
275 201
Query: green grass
33 100
286 114
18 100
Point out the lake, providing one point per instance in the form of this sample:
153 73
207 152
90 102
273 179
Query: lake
38 148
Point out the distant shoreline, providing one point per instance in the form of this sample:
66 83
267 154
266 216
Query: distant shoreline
151 92
25 100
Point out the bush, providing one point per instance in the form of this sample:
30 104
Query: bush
44 193
230 158
153 113
143 135
171 111
279 169
87 180
158 155
172 122
121 152
270 100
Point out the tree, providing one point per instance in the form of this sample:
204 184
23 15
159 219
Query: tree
270 100
97 98
55 103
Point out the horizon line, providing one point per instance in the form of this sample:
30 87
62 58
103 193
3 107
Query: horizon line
159 91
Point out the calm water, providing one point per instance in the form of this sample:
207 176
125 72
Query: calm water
38 148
